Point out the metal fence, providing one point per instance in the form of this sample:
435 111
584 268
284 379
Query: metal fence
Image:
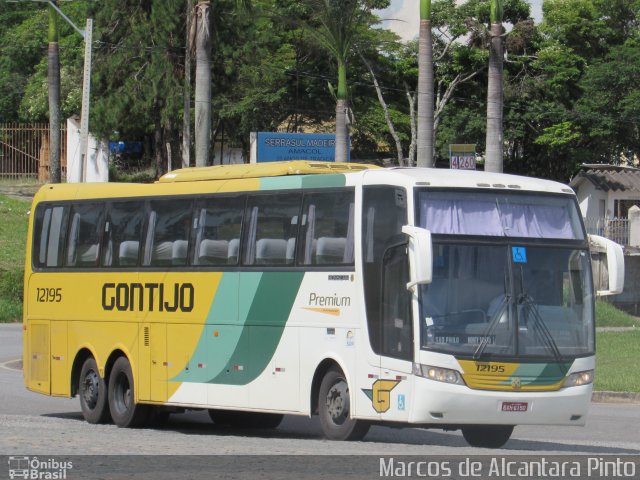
24 151
616 229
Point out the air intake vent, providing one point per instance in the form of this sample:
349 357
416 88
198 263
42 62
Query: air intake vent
146 336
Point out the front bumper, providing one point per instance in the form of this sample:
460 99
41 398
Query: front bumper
447 404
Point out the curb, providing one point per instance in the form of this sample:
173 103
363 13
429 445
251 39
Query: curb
615 397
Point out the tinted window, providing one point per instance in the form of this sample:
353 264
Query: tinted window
167 239
84 233
123 231
384 214
48 231
327 237
272 226
217 234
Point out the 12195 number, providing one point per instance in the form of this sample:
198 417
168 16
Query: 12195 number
49 295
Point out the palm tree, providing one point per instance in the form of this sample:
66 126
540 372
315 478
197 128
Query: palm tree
338 23
200 38
425 88
201 26
493 159
53 80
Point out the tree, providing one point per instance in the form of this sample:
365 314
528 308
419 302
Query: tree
137 76
201 28
609 109
493 160
337 26
54 98
425 88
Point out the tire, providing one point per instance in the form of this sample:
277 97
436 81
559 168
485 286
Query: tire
334 409
245 419
492 436
92 390
124 411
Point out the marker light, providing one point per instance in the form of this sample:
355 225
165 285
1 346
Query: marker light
438 374
579 378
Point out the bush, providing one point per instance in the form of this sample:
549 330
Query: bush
11 295
11 284
10 311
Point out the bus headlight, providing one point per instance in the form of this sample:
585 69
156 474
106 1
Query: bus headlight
438 374
579 378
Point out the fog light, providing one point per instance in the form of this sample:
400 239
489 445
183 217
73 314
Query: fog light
438 374
579 378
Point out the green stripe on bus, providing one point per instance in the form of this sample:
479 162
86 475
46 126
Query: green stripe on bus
236 350
540 373
315 181
303 181
263 329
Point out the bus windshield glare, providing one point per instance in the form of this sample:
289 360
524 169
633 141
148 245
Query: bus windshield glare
506 295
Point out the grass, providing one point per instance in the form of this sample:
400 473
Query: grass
608 315
616 361
25 180
13 232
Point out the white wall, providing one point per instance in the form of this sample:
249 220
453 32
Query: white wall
97 153
589 198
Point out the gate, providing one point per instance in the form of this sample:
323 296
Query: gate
24 152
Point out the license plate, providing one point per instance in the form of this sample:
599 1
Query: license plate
515 406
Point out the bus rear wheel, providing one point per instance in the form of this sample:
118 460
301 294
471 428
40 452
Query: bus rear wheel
492 436
334 409
245 419
124 411
92 391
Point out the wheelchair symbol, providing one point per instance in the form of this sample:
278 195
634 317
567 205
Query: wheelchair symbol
519 254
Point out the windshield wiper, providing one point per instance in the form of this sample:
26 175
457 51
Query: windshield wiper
540 326
491 327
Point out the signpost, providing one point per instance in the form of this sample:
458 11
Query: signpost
462 156
277 147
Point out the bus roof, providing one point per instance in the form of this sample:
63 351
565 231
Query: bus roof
446 178
247 177
260 170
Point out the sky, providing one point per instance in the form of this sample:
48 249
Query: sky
405 12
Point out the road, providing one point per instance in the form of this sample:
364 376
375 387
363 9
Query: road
32 424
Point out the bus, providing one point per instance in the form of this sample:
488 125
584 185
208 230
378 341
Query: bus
401 296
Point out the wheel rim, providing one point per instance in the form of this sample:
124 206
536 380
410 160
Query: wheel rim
122 394
91 385
338 402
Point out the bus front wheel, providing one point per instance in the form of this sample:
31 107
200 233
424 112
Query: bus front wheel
92 391
124 411
334 408
491 436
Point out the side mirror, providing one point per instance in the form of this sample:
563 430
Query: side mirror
614 261
420 255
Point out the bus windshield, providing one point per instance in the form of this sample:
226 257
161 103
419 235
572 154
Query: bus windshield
507 297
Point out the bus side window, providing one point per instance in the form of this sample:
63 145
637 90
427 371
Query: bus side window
48 239
84 234
327 236
270 236
217 223
168 233
123 231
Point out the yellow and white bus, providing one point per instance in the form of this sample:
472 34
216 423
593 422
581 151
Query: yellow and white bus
423 297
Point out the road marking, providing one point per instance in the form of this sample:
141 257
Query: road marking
7 365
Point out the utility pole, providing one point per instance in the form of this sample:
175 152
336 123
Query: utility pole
87 34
